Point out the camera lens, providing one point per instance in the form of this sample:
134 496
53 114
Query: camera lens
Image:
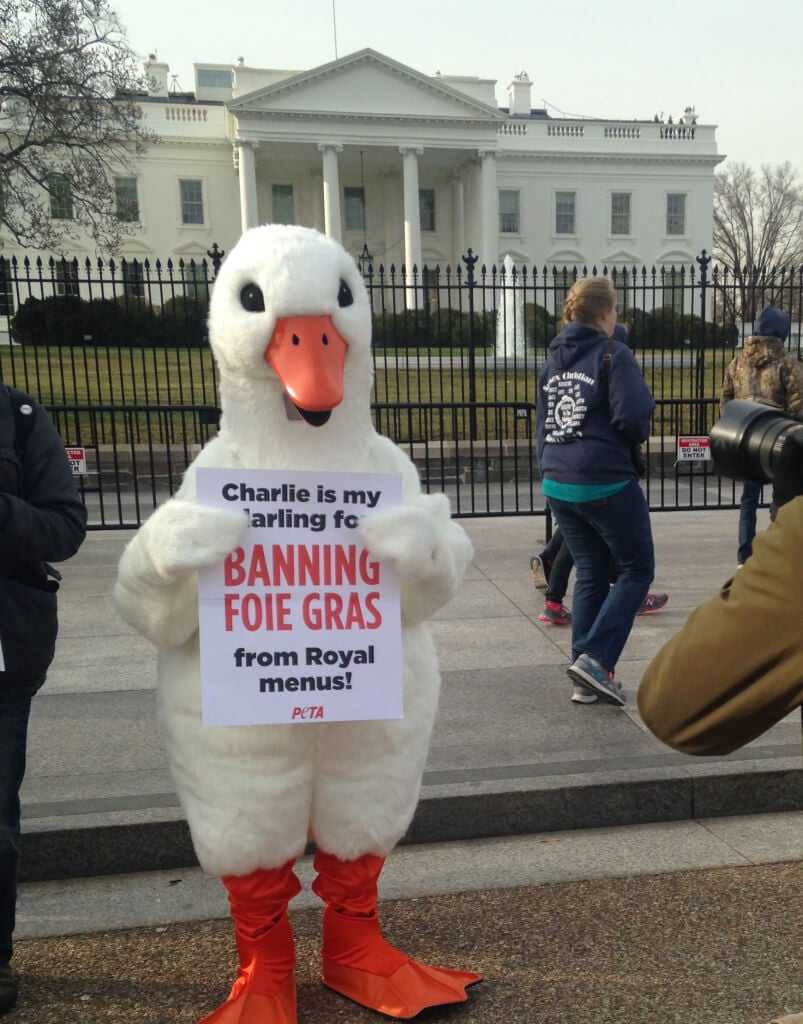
745 439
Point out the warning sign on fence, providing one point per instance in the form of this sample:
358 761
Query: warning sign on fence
692 448
77 459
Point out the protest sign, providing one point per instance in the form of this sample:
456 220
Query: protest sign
299 624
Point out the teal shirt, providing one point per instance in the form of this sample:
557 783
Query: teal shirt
580 492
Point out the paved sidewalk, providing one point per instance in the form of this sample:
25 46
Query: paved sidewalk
510 754
720 946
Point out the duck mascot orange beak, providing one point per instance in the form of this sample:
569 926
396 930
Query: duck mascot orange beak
308 354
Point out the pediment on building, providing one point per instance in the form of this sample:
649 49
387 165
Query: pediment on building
191 251
621 257
675 257
561 258
365 84
518 257
133 249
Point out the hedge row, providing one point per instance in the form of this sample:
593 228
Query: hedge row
442 328
69 321
63 320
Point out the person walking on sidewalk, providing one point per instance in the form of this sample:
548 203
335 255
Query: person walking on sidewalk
42 519
765 372
593 407
551 570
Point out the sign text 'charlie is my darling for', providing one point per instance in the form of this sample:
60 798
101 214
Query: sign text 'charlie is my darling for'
299 624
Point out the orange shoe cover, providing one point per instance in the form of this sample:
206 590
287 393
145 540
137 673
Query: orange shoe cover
254 1008
358 962
264 992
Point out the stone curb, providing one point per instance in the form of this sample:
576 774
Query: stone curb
124 842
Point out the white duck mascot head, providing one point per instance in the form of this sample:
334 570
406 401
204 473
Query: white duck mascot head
290 328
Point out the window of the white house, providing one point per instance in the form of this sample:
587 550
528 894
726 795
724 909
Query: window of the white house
673 289
192 201
196 286
620 213
133 279
66 278
6 290
354 203
426 208
621 279
508 211
676 213
564 212
283 208
564 279
430 279
60 197
127 201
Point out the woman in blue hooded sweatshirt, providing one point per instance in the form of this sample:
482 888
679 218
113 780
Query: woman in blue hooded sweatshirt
593 407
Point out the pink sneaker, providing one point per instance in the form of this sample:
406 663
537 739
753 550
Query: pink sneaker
557 614
652 603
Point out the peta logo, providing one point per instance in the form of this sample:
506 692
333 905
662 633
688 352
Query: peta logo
307 714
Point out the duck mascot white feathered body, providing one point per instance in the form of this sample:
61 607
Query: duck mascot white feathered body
290 329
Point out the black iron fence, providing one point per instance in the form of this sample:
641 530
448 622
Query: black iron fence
118 353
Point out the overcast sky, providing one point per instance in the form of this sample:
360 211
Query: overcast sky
737 62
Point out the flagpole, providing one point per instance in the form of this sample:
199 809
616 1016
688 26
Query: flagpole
334 26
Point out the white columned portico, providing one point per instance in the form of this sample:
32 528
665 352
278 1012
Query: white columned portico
412 219
318 220
246 169
458 218
488 209
331 190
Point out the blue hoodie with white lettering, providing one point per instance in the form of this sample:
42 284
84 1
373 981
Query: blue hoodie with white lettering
590 413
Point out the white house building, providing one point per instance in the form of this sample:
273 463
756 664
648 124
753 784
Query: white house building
411 168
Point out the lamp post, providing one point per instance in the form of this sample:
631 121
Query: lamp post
365 261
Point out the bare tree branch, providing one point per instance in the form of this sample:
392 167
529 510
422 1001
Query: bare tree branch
68 90
758 233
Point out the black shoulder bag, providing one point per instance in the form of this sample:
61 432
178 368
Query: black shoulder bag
636 453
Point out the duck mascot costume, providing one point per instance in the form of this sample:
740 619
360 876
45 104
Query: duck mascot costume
290 330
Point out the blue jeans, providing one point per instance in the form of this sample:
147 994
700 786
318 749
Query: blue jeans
748 508
13 742
597 532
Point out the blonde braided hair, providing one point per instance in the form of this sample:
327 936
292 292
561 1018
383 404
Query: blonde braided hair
588 300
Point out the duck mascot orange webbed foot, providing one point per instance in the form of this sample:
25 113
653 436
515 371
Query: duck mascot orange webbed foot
290 329
358 962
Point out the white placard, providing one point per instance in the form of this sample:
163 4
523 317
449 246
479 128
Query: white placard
692 448
299 625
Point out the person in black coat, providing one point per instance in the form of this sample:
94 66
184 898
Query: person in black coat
42 520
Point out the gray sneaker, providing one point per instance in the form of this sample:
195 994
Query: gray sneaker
584 694
588 672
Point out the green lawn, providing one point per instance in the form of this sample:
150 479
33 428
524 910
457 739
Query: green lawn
167 377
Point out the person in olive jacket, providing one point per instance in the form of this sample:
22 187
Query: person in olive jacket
736 667
42 519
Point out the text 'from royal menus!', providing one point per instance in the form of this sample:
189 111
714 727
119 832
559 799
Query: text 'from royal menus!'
299 624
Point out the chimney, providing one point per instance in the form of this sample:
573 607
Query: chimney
156 76
519 95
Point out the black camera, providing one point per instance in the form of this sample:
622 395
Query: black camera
748 438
